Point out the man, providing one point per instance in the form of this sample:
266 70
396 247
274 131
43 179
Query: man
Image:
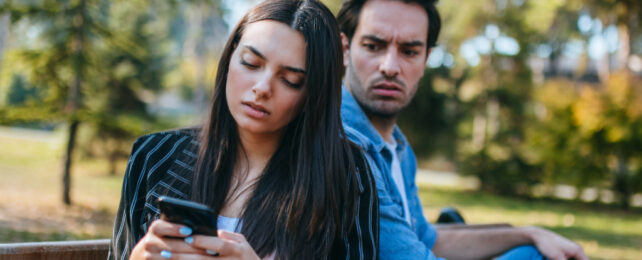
386 45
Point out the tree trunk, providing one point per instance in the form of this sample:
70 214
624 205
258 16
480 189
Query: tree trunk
113 159
4 33
73 102
622 185
66 171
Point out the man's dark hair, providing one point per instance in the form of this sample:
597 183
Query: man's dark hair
348 18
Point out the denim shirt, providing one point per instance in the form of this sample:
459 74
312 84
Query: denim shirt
397 238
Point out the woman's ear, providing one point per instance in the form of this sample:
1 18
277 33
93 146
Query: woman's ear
345 43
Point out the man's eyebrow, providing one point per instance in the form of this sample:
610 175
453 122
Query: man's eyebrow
374 38
413 44
379 40
255 51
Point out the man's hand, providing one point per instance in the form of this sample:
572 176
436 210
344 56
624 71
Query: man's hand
554 246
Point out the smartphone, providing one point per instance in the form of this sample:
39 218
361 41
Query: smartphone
198 217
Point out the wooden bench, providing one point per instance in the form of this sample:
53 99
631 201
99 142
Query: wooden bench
97 249
83 249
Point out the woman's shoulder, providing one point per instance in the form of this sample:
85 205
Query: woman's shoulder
157 149
161 163
164 141
190 133
363 173
358 154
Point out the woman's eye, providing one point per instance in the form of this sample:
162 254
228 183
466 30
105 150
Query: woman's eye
249 65
291 84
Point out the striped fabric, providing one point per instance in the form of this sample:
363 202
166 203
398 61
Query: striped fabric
163 164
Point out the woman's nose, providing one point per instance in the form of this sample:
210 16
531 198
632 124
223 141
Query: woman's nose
263 87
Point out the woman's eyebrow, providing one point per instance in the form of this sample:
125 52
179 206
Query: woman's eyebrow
255 51
258 53
293 69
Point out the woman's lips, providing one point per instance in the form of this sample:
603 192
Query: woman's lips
255 110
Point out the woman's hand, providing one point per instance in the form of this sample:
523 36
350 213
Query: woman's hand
228 245
166 240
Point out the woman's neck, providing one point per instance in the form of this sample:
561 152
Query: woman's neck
257 149
254 154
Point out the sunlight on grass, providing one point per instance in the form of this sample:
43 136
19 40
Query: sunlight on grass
604 232
31 207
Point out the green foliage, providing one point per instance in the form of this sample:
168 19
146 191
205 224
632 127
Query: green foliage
513 126
20 92
436 104
91 61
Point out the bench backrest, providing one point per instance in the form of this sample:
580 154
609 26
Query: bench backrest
83 249
97 249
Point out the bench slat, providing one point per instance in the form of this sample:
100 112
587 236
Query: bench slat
83 249
98 249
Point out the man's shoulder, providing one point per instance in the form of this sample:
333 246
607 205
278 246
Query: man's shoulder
357 137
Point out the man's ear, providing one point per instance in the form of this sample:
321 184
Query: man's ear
345 43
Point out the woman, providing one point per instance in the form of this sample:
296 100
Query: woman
271 161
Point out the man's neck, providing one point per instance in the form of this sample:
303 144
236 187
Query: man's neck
384 125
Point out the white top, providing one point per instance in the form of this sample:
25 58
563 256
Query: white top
228 224
397 176
234 225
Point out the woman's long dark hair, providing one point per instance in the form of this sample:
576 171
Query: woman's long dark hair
305 199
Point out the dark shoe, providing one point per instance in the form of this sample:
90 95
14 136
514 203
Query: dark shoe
450 215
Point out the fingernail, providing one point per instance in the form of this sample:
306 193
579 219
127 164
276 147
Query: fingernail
210 252
189 240
185 231
166 254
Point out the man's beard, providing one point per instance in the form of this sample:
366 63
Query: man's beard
370 107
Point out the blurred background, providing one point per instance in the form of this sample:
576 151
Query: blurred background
530 112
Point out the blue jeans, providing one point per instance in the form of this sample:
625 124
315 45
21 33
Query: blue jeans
522 252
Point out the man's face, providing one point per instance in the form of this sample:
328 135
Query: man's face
387 56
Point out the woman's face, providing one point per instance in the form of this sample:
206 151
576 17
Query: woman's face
265 82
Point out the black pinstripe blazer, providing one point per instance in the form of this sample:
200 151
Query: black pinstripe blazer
162 164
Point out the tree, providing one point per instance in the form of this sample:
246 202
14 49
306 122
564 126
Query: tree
510 117
92 59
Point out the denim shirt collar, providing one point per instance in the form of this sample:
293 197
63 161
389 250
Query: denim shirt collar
353 116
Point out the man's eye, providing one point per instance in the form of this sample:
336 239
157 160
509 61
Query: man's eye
251 66
371 46
410 52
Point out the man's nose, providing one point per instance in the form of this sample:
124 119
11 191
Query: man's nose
389 66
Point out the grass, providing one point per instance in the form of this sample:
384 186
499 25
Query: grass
31 208
603 231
